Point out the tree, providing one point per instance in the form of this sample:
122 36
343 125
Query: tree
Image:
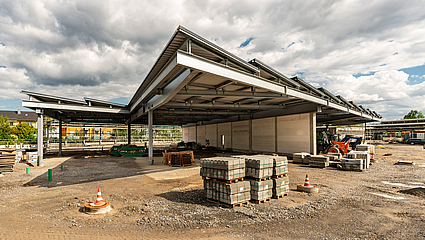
414 114
4 128
24 131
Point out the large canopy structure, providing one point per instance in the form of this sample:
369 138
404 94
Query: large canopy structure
194 81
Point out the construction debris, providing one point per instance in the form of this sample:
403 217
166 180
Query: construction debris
7 162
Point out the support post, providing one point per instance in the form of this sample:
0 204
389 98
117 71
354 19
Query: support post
129 133
40 137
60 138
150 125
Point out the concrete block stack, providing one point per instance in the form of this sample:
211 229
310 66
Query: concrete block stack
223 168
261 190
368 148
223 180
280 186
352 164
232 193
280 164
360 155
334 156
318 161
300 157
259 167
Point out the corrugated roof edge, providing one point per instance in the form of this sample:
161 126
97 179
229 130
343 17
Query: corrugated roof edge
35 95
274 72
104 102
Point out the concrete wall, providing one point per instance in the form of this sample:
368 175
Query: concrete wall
293 133
284 134
200 134
241 135
263 135
226 130
211 134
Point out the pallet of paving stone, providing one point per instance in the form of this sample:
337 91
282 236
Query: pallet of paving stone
280 163
233 193
261 190
258 167
258 179
220 174
279 176
280 186
350 168
224 181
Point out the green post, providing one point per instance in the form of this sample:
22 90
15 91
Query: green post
50 173
38 161
28 170
61 167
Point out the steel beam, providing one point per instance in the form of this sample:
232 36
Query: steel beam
222 106
214 93
60 138
69 107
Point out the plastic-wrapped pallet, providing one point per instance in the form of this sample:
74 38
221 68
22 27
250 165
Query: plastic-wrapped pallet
352 164
360 154
318 161
334 156
232 193
366 147
261 190
223 168
299 157
280 186
258 167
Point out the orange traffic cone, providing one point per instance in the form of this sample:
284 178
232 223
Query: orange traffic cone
307 182
99 200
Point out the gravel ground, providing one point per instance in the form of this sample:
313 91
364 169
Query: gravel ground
384 202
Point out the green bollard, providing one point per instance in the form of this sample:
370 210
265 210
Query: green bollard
61 167
28 170
50 174
38 161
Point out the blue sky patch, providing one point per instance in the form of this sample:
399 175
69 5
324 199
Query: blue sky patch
363 74
246 42
2 44
120 100
12 105
416 74
2 66
396 53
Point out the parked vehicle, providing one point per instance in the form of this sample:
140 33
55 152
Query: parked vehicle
413 141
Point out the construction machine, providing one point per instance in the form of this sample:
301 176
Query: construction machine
326 145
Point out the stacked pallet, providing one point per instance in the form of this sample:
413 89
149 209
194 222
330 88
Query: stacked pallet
7 162
364 155
261 191
224 168
280 186
368 148
334 156
300 157
352 164
223 180
232 193
178 159
318 161
259 170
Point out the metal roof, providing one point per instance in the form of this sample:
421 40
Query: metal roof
194 81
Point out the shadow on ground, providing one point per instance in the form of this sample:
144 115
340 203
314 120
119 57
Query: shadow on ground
196 197
91 166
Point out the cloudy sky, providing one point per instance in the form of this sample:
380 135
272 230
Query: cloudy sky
371 52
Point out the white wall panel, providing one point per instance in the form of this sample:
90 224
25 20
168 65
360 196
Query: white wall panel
226 130
192 134
240 132
263 134
211 134
293 133
200 134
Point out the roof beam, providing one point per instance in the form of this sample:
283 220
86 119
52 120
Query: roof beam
222 106
214 93
69 107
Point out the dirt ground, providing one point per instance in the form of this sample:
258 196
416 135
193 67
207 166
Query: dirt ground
162 202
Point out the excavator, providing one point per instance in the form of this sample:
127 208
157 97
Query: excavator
326 145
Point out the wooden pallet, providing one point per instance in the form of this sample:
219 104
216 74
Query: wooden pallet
222 180
261 201
258 179
228 205
279 196
279 176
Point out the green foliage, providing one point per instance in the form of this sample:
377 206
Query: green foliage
414 114
24 131
4 128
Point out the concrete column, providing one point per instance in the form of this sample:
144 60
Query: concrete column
40 136
129 133
250 135
150 126
313 146
60 138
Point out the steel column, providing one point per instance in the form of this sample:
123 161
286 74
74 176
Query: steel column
60 138
150 123
40 136
129 133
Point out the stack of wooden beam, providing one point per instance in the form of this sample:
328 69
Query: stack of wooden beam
7 162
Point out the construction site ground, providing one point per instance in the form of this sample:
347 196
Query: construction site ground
163 202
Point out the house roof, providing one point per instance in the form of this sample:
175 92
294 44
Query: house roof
22 116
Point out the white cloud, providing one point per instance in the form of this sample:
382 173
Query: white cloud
104 49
